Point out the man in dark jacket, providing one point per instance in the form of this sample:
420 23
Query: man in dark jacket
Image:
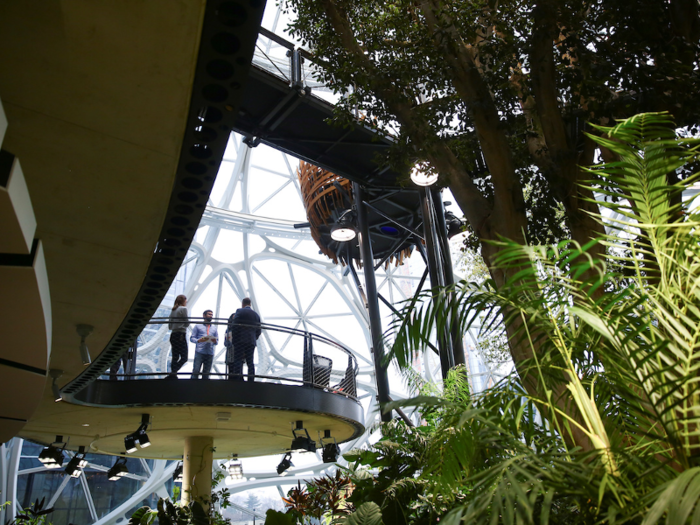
242 334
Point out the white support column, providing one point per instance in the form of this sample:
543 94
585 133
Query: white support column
9 466
58 492
159 477
196 470
88 497
4 452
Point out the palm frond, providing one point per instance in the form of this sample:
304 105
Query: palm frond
613 346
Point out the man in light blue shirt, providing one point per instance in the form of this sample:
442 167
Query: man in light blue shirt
206 336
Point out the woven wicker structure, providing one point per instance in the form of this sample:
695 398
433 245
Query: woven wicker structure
324 203
322 199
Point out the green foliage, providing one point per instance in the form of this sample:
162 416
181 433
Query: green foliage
366 514
220 498
169 514
520 78
322 498
35 514
275 517
625 345
395 461
419 475
497 98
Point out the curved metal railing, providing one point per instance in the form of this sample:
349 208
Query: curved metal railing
310 360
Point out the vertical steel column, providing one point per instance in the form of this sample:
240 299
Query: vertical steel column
435 270
375 320
132 353
457 339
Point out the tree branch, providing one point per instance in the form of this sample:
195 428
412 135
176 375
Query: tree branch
475 207
472 88
544 84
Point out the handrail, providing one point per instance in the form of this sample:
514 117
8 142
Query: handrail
290 45
265 326
315 368
276 38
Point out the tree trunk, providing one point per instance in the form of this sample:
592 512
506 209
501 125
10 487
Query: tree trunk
506 217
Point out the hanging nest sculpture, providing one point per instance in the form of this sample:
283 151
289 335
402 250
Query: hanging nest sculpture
326 196
323 200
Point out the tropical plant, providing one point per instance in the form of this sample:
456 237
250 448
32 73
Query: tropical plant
386 474
496 96
35 514
220 498
275 517
322 500
168 513
625 344
418 475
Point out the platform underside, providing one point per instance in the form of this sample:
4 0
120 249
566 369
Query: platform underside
248 419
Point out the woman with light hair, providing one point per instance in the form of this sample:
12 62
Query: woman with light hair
178 323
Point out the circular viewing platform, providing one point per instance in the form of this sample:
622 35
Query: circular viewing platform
246 415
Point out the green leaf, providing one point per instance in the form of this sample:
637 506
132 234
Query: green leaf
274 517
366 514
143 516
199 515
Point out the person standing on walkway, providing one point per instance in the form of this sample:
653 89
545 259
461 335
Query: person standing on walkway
243 331
229 347
178 323
206 336
122 361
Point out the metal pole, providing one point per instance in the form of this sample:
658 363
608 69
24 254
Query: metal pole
375 320
358 284
131 362
457 339
296 67
434 266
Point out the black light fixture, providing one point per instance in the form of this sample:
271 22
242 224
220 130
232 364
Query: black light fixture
285 464
82 463
56 392
84 330
143 439
235 468
130 443
55 374
52 456
302 442
331 451
139 437
344 228
118 470
72 469
77 463
177 475
454 224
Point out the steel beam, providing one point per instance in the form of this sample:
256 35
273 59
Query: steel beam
435 268
375 319
455 334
